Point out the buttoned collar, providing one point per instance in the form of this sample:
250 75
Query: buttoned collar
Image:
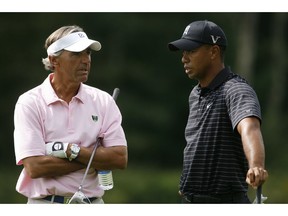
220 78
50 95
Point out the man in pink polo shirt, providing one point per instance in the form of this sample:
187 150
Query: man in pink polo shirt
58 122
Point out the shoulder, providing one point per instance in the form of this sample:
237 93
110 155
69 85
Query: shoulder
36 94
235 79
237 85
239 92
96 94
30 96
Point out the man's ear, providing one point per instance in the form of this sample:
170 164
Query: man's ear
53 60
215 51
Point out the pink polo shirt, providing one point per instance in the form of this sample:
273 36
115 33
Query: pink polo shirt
41 117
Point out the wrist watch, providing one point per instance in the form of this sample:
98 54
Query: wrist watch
75 149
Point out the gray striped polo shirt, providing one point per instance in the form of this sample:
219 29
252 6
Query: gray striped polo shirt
214 160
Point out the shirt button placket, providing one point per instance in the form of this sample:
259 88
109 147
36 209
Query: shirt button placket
71 117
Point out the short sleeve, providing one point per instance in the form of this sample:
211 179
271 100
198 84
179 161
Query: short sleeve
112 131
242 102
28 136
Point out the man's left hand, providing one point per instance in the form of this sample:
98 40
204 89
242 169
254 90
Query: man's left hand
256 176
56 149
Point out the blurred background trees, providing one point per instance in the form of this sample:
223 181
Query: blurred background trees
154 90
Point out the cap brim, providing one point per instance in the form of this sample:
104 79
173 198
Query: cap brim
183 44
84 44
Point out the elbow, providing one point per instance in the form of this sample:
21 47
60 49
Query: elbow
32 172
34 176
123 160
31 168
124 163
116 159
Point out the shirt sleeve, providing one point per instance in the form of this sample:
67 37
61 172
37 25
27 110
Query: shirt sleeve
242 102
28 136
112 130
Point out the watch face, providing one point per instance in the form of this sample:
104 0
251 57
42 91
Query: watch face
75 149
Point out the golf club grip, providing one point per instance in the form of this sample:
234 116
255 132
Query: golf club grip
115 93
258 194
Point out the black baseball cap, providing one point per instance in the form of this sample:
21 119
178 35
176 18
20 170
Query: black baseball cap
198 33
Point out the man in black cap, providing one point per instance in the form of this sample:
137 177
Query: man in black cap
225 150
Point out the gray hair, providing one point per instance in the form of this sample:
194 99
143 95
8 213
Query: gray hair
56 35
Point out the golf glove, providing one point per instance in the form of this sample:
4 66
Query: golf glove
56 149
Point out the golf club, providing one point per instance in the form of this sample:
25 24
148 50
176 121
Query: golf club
259 194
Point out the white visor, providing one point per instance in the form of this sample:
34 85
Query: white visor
75 42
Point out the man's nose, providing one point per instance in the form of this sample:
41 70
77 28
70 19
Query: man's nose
184 58
86 57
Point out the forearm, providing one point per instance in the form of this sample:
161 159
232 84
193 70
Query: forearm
253 146
49 166
105 158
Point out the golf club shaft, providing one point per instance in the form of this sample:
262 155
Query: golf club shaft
89 164
115 93
259 194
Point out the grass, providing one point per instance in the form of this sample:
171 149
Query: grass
144 185
149 185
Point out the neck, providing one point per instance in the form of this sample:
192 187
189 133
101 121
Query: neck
210 75
63 89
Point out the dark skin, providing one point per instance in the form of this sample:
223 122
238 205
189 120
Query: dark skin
70 69
203 64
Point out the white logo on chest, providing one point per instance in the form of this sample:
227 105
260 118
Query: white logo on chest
209 105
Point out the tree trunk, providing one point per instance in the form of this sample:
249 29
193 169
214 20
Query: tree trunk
278 65
247 44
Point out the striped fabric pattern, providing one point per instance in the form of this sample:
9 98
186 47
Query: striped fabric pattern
214 160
